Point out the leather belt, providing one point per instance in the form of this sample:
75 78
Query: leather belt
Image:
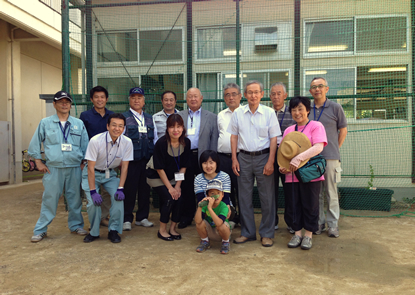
229 155
195 151
264 151
102 171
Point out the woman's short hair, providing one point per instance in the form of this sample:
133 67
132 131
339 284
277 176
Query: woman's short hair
172 120
204 157
295 101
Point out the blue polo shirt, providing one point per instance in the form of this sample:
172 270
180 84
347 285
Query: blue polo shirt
94 122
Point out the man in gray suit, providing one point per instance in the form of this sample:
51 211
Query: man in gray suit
202 130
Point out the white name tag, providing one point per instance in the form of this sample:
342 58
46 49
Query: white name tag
178 176
66 147
191 131
142 129
107 173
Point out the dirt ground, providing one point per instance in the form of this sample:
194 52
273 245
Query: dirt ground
372 255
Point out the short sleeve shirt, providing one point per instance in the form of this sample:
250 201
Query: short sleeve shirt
107 154
333 118
316 133
221 211
254 130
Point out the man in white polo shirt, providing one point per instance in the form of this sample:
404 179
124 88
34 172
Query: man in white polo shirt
254 128
105 152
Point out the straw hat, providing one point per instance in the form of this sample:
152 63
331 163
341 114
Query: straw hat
294 143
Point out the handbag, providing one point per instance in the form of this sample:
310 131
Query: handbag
314 168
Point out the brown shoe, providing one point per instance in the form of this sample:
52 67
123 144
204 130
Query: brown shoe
104 222
267 242
242 239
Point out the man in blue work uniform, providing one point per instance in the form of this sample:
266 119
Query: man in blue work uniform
105 152
140 130
64 140
95 121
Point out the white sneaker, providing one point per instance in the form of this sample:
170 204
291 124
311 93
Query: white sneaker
80 231
126 226
144 223
37 238
276 227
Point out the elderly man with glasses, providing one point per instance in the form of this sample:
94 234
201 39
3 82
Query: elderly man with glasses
254 128
332 116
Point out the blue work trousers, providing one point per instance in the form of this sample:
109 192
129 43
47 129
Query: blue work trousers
94 212
54 183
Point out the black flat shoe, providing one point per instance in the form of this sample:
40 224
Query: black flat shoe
114 237
176 237
89 238
164 238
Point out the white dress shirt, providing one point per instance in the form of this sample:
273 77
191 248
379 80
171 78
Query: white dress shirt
224 140
101 144
254 130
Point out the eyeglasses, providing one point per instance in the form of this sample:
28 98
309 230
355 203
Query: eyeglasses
233 94
252 93
314 87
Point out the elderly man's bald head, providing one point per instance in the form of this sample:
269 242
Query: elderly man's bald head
194 99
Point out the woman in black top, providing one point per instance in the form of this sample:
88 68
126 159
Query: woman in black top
170 159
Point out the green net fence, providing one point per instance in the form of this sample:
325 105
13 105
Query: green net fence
363 48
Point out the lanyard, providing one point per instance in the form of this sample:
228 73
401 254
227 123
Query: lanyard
283 115
167 115
141 123
296 126
174 157
106 146
65 135
191 120
322 110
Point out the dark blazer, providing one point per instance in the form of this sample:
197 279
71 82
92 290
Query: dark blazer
209 133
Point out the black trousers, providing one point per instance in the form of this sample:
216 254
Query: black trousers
226 166
136 187
277 176
168 205
188 205
301 205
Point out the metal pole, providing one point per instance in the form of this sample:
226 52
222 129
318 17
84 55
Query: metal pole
65 46
413 84
189 10
88 37
297 47
83 53
238 40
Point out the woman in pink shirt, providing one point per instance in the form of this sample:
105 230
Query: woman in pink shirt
302 199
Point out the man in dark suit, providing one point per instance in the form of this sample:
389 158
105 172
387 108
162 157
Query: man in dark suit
202 130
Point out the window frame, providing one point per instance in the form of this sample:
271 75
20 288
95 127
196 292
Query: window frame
114 63
354 120
164 62
354 52
226 59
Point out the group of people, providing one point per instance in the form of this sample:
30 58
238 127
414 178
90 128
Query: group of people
202 166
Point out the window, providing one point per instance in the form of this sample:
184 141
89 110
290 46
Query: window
216 43
329 36
161 45
381 90
53 4
385 87
354 36
155 85
116 46
208 85
118 90
381 34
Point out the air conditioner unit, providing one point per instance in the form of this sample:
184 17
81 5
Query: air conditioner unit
266 38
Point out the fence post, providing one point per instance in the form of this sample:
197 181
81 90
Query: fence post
189 39
413 84
88 37
297 47
238 44
65 46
